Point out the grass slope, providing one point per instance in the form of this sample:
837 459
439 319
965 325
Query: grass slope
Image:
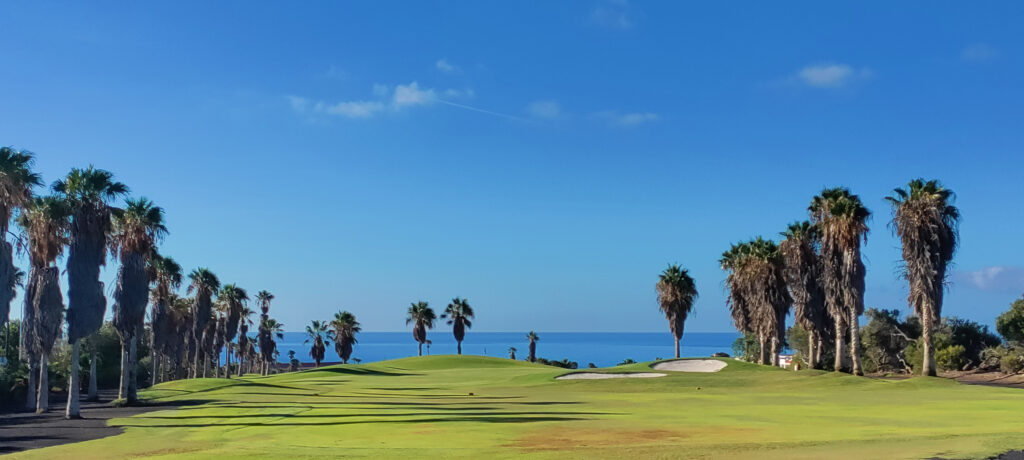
422 407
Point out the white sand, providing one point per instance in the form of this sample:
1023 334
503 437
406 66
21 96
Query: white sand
596 376
691 365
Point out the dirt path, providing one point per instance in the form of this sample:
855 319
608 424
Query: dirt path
28 430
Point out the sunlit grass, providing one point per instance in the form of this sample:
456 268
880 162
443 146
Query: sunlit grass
476 407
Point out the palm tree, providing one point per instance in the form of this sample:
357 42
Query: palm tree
739 308
459 314
204 284
422 317
533 338
233 298
758 293
803 278
45 222
842 219
88 192
345 329
512 353
676 295
243 338
316 331
168 277
265 337
16 183
269 351
137 229
927 224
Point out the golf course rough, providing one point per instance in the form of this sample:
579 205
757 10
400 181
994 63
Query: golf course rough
479 407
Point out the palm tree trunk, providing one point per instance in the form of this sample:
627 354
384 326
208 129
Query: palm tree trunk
775 351
122 389
928 366
855 342
820 349
421 349
677 347
839 346
93 387
197 362
30 391
43 399
460 346
133 377
154 359
74 384
761 358
810 350
227 363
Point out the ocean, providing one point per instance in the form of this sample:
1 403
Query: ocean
601 348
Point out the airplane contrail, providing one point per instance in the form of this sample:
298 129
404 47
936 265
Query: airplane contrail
475 109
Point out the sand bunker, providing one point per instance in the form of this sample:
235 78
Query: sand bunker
691 365
622 375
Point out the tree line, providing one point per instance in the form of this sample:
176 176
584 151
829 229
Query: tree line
79 215
816 271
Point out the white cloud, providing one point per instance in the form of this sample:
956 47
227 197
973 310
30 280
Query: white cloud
544 109
613 14
445 66
353 109
386 99
993 278
831 75
978 52
411 95
627 119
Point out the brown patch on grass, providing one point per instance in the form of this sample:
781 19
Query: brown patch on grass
571 438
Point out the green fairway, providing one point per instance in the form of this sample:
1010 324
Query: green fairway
475 407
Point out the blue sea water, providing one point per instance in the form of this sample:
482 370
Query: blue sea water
601 348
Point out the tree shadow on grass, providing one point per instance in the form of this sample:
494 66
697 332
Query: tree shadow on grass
487 419
360 371
366 415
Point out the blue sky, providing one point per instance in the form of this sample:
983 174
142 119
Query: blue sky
544 159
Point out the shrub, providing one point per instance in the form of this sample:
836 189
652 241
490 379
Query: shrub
626 361
952 357
1010 324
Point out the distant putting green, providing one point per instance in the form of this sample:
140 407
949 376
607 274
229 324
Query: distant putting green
476 407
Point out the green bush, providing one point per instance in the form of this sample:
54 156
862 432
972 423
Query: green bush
952 357
1011 363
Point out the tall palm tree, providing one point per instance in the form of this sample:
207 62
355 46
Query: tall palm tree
758 293
842 219
269 351
89 193
459 315
316 332
927 224
243 338
16 183
265 336
345 329
533 338
676 295
512 353
45 222
168 277
203 284
422 317
137 229
233 298
799 250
